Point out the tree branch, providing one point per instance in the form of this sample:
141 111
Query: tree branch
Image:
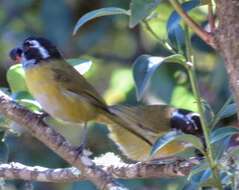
174 167
204 35
226 37
57 143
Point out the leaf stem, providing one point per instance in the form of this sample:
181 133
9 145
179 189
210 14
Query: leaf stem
204 35
163 43
194 83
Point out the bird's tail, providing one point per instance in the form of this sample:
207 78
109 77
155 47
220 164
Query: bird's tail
134 129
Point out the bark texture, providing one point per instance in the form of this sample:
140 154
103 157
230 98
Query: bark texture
227 39
169 168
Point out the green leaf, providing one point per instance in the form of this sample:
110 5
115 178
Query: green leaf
99 13
176 136
198 169
230 110
145 66
30 104
221 133
81 65
175 31
16 78
21 95
140 9
198 179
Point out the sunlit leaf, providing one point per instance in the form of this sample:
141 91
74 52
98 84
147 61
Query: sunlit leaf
16 78
221 133
176 136
21 95
98 13
30 104
140 9
81 65
145 66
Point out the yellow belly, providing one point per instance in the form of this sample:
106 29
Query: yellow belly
42 85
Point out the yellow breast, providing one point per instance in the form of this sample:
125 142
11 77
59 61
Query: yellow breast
49 93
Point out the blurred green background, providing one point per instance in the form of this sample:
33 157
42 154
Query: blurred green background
112 47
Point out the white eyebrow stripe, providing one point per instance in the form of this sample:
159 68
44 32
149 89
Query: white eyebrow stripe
41 49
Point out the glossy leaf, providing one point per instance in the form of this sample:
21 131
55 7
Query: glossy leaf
230 110
220 147
16 78
221 133
198 169
175 31
198 179
98 13
176 136
140 9
145 66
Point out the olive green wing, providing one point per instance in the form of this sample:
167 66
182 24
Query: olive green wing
72 82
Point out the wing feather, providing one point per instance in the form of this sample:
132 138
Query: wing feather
73 83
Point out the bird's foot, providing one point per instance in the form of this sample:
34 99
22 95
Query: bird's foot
81 148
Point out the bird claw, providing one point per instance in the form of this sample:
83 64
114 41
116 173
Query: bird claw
79 150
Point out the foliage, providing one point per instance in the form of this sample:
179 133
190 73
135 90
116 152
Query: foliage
163 73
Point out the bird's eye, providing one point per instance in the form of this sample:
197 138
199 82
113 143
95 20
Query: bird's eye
27 44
